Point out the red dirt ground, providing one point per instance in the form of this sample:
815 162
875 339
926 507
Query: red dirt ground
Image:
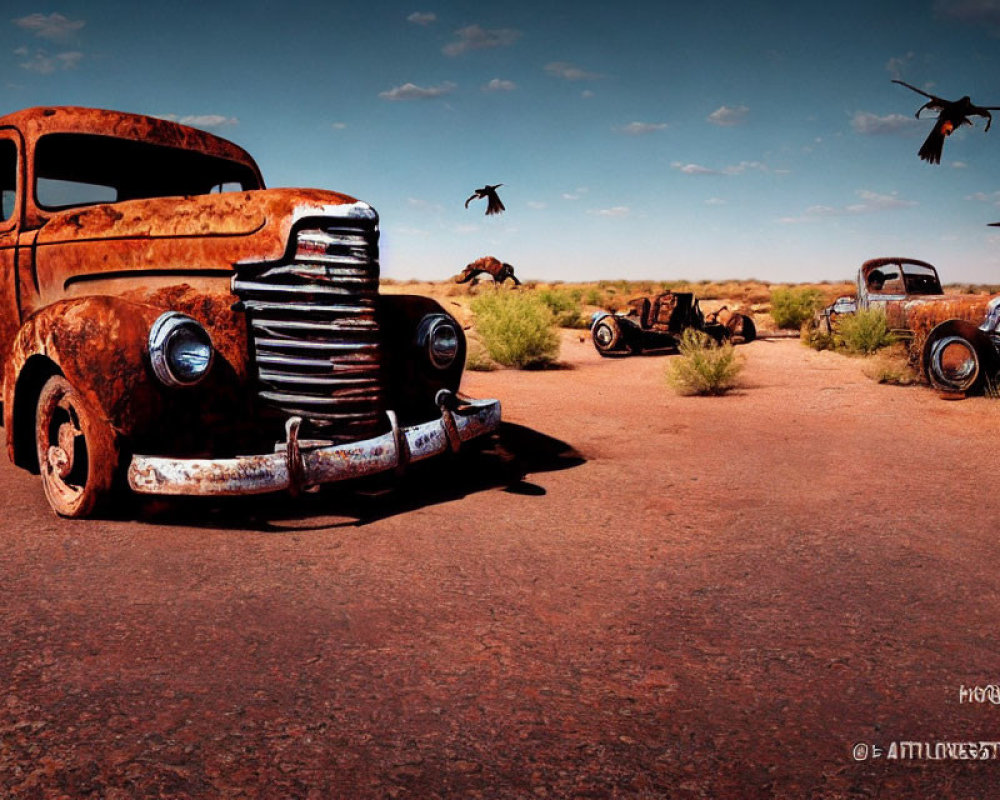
683 598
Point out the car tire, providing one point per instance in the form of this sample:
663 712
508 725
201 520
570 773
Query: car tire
608 337
957 357
77 453
748 330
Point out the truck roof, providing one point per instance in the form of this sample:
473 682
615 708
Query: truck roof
36 122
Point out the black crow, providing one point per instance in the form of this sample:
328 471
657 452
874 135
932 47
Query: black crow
493 204
951 114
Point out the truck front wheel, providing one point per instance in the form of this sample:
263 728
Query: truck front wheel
77 456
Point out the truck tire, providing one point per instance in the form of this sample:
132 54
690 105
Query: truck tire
77 455
958 357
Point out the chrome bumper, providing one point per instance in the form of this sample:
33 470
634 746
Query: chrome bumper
294 467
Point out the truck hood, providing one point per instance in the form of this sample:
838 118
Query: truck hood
922 313
204 235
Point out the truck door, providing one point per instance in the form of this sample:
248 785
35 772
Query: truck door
11 203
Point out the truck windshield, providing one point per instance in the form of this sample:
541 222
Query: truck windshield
921 280
73 169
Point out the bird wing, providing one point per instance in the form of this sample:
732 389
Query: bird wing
470 200
934 98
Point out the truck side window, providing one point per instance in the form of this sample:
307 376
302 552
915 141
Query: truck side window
8 178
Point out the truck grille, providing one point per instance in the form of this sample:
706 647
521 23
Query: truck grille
314 329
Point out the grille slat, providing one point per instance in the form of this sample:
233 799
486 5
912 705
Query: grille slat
315 334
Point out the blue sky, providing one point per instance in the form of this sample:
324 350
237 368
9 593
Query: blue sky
635 139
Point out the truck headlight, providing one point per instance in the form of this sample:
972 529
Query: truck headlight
180 350
438 337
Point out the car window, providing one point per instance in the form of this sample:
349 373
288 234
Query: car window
55 193
74 169
8 178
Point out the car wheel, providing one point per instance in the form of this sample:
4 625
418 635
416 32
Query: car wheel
608 337
748 330
77 457
954 357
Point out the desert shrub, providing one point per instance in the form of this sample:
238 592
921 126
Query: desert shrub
703 366
477 359
593 296
892 366
565 306
817 337
791 306
864 331
516 328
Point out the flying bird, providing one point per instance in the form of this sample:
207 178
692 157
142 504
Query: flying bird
951 115
493 204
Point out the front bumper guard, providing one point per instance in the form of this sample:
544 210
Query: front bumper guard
295 465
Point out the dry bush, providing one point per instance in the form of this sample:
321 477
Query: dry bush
516 328
892 366
703 367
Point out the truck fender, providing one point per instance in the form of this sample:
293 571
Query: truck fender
99 345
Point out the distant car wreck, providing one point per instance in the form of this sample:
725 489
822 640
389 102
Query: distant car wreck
657 323
954 337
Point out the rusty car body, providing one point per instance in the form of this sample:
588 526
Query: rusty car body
171 324
657 322
952 336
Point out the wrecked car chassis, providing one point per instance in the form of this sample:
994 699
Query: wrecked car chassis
658 322
163 314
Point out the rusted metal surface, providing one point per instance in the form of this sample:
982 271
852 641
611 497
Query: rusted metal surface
658 321
283 281
488 265
910 292
295 467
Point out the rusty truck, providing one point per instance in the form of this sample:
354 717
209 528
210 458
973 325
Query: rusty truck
171 325
954 337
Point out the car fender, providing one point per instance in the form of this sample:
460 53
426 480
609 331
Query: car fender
99 344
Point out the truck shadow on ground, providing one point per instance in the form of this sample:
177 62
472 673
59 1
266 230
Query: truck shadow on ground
504 461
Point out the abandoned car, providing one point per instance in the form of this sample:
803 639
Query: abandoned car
170 324
657 323
953 336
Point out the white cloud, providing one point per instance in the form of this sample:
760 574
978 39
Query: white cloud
694 169
576 194
41 62
410 91
338 126
727 116
958 165
871 203
498 85
201 120
615 211
641 128
733 169
569 72
208 121
868 124
55 26
475 37
715 201
422 17
535 204
993 198
899 66
586 93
